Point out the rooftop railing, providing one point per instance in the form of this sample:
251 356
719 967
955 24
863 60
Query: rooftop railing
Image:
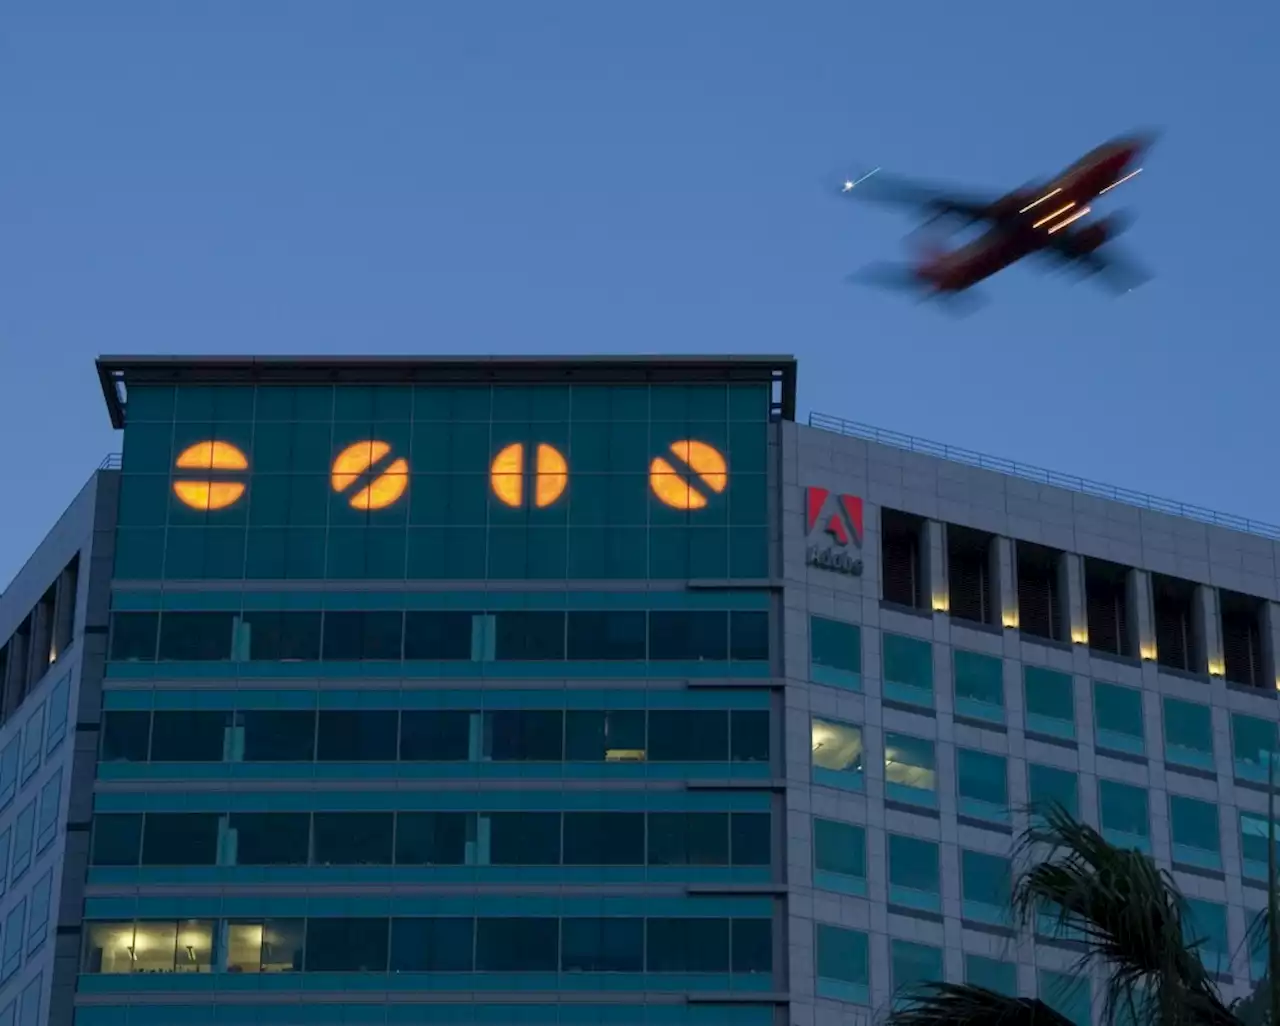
111 461
1040 475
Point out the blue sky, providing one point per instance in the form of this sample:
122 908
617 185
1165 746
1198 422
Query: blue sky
576 176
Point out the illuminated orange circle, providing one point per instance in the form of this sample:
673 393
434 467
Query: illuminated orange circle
709 472
206 495
550 475
359 458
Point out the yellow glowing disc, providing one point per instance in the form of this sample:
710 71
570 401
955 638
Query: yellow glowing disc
387 485
709 472
550 475
506 475
206 495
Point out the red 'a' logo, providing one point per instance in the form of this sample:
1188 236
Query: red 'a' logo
839 517
842 513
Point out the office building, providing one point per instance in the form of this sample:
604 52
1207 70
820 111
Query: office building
598 691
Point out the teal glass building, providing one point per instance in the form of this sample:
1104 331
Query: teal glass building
439 691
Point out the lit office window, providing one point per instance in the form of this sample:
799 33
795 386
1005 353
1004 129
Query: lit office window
837 754
910 770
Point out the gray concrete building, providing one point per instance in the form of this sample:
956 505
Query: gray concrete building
586 691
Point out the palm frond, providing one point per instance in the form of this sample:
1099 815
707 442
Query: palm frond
956 1004
1129 914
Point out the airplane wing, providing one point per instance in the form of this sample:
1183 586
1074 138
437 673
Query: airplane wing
1114 270
880 188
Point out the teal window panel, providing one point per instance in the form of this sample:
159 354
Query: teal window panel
1124 815
910 769
843 964
835 653
982 783
907 669
986 882
1117 718
1253 745
1193 826
1205 925
1049 785
979 685
1188 734
1049 701
912 965
914 878
991 973
837 754
1253 845
1068 995
839 856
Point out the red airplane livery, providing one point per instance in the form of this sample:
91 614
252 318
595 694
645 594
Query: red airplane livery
1036 219
839 517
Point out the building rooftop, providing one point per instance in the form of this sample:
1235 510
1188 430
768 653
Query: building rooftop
116 373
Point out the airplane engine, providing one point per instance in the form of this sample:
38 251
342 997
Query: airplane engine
1098 234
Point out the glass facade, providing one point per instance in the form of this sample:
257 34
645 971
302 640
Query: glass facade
377 650
424 482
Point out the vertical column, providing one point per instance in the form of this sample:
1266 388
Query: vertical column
933 549
1270 630
1071 587
1004 577
1142 631
1206 628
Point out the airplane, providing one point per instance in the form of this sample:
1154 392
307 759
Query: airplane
1033 219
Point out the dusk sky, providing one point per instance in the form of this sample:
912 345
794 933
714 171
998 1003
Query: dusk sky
422 177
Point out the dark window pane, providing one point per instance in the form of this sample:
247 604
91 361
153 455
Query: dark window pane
688 636
604 838
432 945
752 946
438 636
607 636
269 838
433 838
613 945
749 636
357 735
196 636
117 839
688 735
524 735
353 838
529 636
180 839
688 838
751 839
126 736
347 945
283 637
353 636
597 736
750 735
278 735
431 735
524 945
188 736
133 636
687 946
524 838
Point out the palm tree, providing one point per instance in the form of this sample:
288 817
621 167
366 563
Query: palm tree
1130 917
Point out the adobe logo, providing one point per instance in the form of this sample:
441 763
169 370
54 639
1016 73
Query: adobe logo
833 531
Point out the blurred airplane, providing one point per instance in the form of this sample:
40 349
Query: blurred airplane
1033 219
